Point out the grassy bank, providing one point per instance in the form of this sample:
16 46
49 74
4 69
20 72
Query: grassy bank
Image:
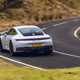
15 73
9 71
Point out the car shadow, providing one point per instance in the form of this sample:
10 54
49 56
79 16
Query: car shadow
31 54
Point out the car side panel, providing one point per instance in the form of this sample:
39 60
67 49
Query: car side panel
3 40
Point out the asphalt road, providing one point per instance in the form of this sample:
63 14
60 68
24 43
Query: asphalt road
64 41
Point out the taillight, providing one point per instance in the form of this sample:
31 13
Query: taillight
30 39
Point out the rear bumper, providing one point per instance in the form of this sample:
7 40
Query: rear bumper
34 50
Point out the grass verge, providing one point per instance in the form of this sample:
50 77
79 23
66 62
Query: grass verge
10 71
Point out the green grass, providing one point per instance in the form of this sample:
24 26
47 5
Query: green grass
22 73
10 71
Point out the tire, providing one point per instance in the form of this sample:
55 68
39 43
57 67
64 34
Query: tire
11 49
1 48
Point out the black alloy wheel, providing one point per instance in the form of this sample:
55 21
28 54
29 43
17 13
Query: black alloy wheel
11 49
1 48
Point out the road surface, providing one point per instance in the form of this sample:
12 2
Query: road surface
67 47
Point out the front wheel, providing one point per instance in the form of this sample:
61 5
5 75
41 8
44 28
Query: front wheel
11 49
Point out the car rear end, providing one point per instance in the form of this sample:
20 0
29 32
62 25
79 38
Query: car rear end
35 44
38 42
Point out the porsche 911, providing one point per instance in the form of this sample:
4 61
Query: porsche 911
27 39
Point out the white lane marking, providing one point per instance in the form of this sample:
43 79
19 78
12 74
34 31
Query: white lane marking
75 56
21 63
61 23
75 33
55 25
65 22
76 20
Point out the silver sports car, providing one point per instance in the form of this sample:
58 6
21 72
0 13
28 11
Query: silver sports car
26 39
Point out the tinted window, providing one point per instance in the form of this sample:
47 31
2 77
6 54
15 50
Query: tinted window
12 32
31 31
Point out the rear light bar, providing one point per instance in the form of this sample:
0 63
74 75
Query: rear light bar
32 39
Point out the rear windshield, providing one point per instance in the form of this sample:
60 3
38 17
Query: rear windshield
31 31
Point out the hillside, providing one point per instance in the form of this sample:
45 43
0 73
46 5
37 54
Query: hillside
75 4
36 11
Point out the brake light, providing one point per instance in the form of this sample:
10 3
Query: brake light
29 39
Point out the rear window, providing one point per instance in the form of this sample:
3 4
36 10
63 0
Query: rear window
31 31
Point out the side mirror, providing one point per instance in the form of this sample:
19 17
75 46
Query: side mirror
3 33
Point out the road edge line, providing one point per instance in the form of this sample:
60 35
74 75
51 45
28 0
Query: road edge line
75 33
70 55
21 63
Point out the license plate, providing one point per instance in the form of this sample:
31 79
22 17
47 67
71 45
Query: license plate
36 45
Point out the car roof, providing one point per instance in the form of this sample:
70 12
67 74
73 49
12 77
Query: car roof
26 26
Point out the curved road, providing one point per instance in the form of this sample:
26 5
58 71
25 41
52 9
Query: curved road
65 43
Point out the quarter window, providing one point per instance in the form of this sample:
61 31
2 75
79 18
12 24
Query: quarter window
12 32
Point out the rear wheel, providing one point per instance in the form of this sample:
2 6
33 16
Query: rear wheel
11 49
1 48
